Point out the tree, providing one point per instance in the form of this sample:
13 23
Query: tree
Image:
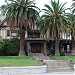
73 26
73 6
72 30
53 21
22 14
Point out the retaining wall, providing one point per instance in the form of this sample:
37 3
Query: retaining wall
22 70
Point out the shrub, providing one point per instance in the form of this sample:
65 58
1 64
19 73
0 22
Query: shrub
62 53
51 51
12 46
2 42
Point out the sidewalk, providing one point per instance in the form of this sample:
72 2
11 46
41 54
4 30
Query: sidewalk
55 73
52 73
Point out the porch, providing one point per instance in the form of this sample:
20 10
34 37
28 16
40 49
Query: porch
36 46
42 46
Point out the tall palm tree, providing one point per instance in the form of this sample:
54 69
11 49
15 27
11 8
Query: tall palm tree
53 21
22 14
73 6
73 26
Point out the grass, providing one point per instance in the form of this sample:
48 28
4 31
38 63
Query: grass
64 58
17 61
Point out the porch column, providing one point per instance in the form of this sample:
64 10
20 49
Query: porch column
28 48
45 48
10 34
26 34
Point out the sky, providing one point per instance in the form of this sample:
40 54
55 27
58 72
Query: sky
40 3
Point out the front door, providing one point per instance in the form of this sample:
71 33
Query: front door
35 47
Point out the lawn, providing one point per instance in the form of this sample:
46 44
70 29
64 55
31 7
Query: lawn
17 61
64 58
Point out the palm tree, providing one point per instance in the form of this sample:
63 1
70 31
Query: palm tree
73 27
53 21
22 14
73 6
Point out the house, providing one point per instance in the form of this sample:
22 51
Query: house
37 43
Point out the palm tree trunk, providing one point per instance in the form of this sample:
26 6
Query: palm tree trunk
57 48
22 38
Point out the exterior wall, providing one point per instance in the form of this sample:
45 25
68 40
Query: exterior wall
3 33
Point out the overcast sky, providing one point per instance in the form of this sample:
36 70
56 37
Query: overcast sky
40 3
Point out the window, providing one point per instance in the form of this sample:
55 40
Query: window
12 32
8 32
33 35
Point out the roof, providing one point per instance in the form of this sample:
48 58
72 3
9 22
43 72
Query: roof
2 22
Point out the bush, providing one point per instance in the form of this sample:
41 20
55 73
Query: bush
12 46
2 43
51 51
62 53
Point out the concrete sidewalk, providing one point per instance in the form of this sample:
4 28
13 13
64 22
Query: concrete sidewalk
56 73
52 73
